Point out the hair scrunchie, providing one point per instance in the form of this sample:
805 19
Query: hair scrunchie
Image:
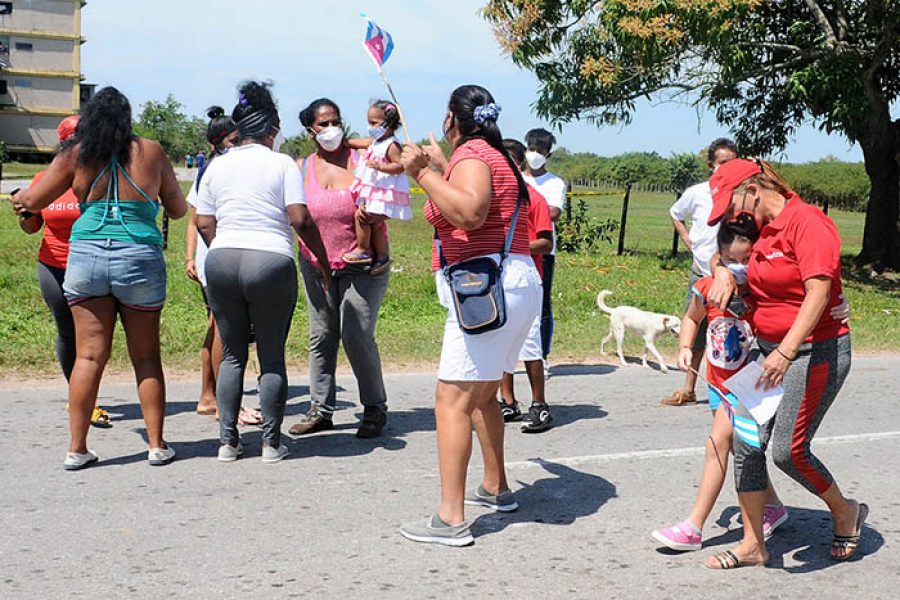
486 112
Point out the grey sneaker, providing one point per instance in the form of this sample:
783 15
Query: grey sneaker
273 455
434 531
76 460
502 502
229 453
161 456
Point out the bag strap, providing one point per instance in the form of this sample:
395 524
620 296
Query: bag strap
507 242
303 174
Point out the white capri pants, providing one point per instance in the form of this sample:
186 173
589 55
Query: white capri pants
486 356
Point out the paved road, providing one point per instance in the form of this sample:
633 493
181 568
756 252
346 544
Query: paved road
8 185
324 523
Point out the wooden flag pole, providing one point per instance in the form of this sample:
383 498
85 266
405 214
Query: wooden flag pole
390 90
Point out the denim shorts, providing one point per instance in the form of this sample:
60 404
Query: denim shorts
133 274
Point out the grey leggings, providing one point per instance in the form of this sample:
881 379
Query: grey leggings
811 384
348 314
260 288
50 280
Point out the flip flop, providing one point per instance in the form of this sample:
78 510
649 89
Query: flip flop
208 412
849 543
380 266
100 418
357 258
250 416
729 560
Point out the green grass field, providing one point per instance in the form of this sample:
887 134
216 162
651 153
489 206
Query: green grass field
18 170
410 326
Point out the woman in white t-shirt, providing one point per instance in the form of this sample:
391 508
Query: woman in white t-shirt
248 201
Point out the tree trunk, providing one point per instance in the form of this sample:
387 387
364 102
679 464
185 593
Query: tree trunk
880 146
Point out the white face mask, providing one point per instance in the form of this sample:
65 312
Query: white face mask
739 271
277 142
535 160
330 138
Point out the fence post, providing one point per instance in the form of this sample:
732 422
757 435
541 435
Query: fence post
675 232
825 206
624 218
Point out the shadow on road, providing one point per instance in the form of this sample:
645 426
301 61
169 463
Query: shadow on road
806 539
565 370
561 499
132 411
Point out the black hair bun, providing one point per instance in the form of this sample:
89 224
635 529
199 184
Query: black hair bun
214 112
255 95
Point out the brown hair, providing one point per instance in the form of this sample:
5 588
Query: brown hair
767 178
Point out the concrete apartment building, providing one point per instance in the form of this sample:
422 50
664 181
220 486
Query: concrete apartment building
40 71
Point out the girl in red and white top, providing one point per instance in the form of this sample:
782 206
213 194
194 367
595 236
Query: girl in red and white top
56 221
471 207
794 276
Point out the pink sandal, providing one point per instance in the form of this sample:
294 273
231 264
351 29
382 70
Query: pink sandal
357 257
250 416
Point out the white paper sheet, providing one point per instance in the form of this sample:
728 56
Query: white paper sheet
761 403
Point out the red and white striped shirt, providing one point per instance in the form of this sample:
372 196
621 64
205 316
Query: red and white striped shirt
460 245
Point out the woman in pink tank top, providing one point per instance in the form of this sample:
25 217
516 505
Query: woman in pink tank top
349 312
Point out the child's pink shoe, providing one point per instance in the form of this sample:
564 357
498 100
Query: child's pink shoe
773 516
683 536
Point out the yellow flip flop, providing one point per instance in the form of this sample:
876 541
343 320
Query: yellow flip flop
99 418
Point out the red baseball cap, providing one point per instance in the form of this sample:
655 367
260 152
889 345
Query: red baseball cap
67 127
723 182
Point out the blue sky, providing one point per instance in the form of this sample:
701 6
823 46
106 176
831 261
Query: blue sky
200 49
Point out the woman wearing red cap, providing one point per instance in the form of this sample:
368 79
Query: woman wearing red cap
56 221
795 280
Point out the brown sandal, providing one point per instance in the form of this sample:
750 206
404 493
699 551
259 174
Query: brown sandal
680 398
849 543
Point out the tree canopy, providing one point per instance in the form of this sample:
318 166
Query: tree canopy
763 67
177 133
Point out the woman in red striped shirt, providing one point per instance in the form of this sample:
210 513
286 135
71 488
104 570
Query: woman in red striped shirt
472 207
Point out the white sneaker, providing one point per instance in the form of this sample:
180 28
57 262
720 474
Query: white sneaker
229 453
161 456
77 460
273 455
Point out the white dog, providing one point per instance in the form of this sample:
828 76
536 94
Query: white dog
648 325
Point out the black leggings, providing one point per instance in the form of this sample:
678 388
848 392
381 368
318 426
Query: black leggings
50 280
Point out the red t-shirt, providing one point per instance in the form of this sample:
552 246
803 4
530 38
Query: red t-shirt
460 245
728 338
58 219
801 243
539 221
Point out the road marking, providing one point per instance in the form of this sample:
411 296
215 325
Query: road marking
692 451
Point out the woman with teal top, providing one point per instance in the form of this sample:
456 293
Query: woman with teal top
116 264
